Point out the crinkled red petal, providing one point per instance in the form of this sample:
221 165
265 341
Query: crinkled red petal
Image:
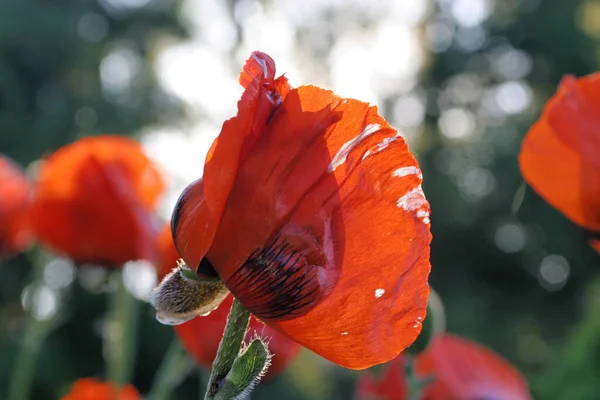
262 96
205 200
335 187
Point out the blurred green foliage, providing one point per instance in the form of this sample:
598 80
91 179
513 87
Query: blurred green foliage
75 67
69 68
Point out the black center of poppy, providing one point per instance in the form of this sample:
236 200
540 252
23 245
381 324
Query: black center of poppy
276 282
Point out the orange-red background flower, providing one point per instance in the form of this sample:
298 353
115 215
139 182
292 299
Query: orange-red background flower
93 389
201 336
94 201
560 156
462 370
15 199
312 213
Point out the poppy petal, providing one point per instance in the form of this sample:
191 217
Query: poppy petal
92 389
262 96
391 385
466 370
460 369
15 200
335 190
193 227
205 201
559 155
94 201
125 199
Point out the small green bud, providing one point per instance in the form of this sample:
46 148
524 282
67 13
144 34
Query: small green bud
247 370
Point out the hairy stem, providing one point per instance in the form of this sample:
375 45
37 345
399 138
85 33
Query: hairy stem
229 348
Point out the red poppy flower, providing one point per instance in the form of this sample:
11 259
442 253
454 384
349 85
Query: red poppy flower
94 201
462 370
92 389
15 199
201 336
311 212
559 156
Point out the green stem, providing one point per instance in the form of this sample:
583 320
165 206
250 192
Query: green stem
229 348
173 368
123 346
416 384
24 368
35 335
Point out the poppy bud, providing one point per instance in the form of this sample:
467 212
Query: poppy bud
247 370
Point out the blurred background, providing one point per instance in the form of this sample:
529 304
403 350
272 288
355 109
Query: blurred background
462 79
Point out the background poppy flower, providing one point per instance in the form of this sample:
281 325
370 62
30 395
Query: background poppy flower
94 201
312 213
462 370
92 389
559 156
201 336
15 199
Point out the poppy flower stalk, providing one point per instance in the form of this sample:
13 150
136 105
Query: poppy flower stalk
125 310
174 366
237 370
233 336
36 331
416 385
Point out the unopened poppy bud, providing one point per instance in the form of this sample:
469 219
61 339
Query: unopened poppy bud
246 372
182 296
